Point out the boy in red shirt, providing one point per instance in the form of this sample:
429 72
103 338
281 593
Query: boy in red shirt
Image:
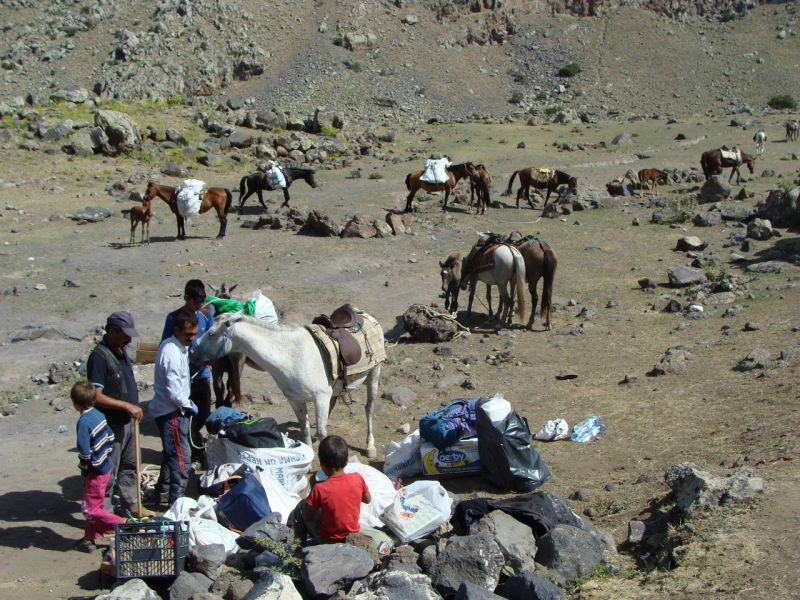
333 507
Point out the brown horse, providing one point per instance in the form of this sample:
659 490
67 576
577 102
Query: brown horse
792 130
216 197
455 174
652 175
540 262
141 213
712 163
541 179
480 183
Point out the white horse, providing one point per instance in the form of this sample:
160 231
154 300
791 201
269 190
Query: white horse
759 138
290 354
508 268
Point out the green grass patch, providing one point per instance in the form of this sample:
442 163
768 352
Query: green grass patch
338 40
680 209
516 97
569 70
375 175
518 76
328 130
385 101
784 101
551 110
353 65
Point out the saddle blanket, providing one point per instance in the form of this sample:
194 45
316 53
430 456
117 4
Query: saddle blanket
435 170
276 178
542 175
189 196
369 336
734 154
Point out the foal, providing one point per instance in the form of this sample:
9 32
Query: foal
141 214
652 175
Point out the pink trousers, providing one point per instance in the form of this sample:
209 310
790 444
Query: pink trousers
98 520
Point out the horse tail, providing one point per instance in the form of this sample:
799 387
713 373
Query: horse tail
408 182
241 187
519 274
511 181
704 165
229 197
549 273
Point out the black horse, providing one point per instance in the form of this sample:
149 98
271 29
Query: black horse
257 183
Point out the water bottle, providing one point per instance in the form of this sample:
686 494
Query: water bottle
62 429
587 430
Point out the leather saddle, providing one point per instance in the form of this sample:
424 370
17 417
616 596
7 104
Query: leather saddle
339 325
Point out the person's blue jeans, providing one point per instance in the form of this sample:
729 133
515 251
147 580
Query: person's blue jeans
174 431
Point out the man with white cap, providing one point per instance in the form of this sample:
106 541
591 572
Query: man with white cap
110 371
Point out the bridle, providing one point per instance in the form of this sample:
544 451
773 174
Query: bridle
200 354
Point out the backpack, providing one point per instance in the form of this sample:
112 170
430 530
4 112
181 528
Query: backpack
255 433
450 423
222 417
243 504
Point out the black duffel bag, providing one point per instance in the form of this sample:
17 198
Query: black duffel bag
255 433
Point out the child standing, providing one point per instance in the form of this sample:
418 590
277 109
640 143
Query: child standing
95 446
334 504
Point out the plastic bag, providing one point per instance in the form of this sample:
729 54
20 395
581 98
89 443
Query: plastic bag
263 308
204 532
244 504
380 488
419 509
587 430
402 459
181 509
280 500
507 458
553 430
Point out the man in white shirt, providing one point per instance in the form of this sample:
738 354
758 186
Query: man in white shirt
171 406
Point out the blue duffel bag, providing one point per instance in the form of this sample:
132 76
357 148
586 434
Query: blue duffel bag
244 504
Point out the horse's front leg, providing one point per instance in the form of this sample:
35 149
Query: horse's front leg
181 227
285 197
534 302
260 195
471 298
409 199
446 196
372 394
301 412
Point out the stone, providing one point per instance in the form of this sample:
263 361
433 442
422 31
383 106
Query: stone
80 143
476 558
423 325
682 276
674 360
60 372
360 226
715 189
759 229
470 591
781 207
187 584
58 331
759 358
707 219
122 131
320 224
622 139
327 568
174 170
400 584
531 586
515 539
400 396
395 221
74 94
646 283
636 531
690 242
269 527
92 214
240 139
736 213
205 596
694 489
273 585
207 559
448 381
770 266
569 552
383 230
566 374
133 589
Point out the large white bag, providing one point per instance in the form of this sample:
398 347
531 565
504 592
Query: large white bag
280 500
419 509
288 465
203 527
263 308
380 488
403 459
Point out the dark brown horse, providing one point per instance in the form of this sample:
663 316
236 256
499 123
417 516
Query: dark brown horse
712 162
655 176
216 197
540 263
480 182
541 179
255 183
455 174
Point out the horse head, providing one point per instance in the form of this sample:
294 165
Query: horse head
216 341
310 179
573 184
748 160
151 192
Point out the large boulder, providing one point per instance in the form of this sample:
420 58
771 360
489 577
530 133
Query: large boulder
760 229
476 558
80 143
781 207
133 589
694 489
515 539
569 552
327 568
360 226
674 360
425 325
390 584
530 586
320 224
187 584
122 131
714 189
682 276
273 586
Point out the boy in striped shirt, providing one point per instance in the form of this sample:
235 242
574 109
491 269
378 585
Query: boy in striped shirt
95 446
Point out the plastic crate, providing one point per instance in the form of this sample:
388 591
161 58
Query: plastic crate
151 549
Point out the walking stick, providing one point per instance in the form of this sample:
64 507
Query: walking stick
138 468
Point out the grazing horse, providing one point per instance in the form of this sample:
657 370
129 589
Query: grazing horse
480 182
500 265
455 174
531 176
291 355
141 213
712 163
655 176
792 130
759 138
451 280
540 262
217 197
255 183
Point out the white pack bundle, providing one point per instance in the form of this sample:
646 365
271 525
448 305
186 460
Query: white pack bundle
435 170
263 308
380 488
275 177
188 196
403 459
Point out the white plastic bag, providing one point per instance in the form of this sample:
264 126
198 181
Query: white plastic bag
402 459
553 430
275 177
280 500
264 309
181 509
204 532
288 465
419 509
188 196
496 408
380 488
